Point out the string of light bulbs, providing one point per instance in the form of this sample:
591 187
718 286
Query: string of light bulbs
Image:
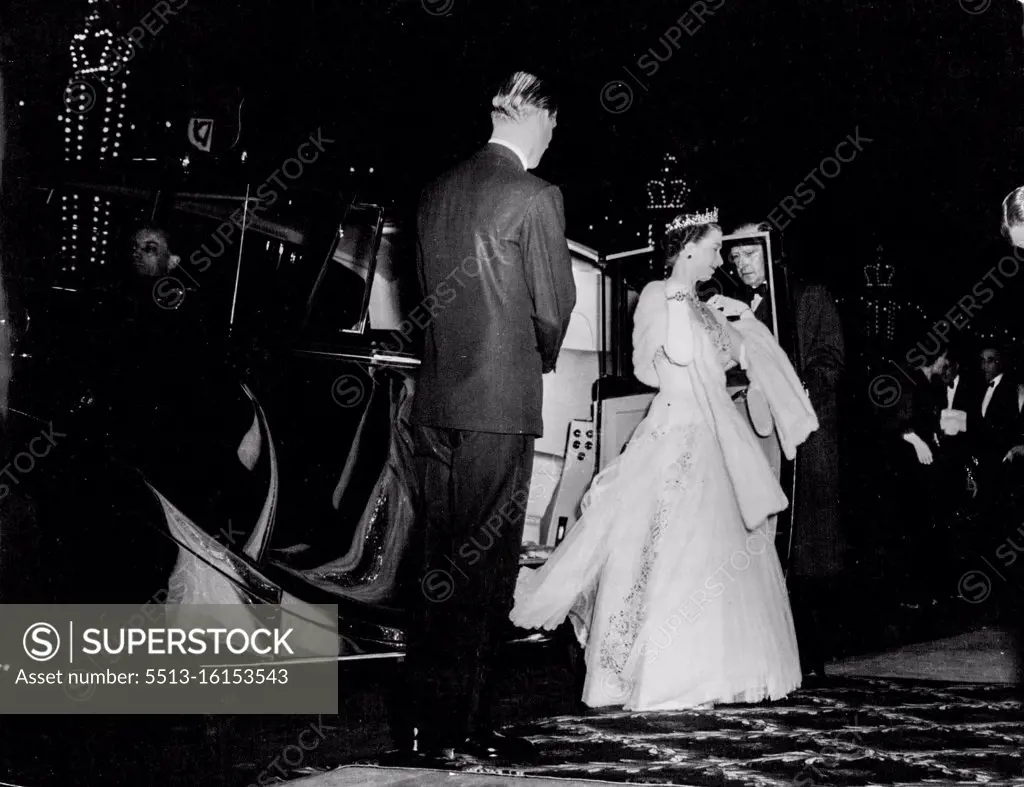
94 130
666 193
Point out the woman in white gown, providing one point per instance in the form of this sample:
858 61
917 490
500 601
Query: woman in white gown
670 577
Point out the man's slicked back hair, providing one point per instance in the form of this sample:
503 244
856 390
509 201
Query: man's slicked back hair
521 95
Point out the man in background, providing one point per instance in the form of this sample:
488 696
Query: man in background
169 400
935 479
810 332
997 417
956 430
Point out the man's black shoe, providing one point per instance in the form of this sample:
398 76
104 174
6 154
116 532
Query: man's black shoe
495 746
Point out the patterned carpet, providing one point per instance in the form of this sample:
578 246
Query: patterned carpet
854 732
872 731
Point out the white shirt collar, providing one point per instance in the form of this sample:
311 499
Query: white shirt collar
514 148
951 391
991 389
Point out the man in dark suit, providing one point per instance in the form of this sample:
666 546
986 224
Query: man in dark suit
997 411
956 427
936 418
996 414
810 332
935 481
495 269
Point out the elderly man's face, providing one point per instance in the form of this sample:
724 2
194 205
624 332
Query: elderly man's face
151 254
749 262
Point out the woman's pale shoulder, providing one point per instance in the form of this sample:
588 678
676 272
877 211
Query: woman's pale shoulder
656 289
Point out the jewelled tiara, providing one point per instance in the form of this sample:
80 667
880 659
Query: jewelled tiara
693 220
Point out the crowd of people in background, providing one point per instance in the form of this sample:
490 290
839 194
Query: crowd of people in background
957 437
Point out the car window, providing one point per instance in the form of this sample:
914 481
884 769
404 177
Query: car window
339 303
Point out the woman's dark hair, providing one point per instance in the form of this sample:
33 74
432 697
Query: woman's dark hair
1013 210
991 344
675 240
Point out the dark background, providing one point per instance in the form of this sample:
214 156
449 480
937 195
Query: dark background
750 103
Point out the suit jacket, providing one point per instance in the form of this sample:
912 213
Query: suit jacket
811 334
998 429
495 270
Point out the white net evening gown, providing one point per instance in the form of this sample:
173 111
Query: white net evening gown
672 583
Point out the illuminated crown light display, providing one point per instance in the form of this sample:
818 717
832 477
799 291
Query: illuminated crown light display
1000 335
93 130
883 308
891 308
879 278
666 193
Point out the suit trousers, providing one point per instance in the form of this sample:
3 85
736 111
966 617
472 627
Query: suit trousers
474 492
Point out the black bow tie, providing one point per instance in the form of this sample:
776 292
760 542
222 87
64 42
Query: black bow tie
762 290
992 384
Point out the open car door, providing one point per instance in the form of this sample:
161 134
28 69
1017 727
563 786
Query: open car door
327 439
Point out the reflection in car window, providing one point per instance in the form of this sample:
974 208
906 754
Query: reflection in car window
340 302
